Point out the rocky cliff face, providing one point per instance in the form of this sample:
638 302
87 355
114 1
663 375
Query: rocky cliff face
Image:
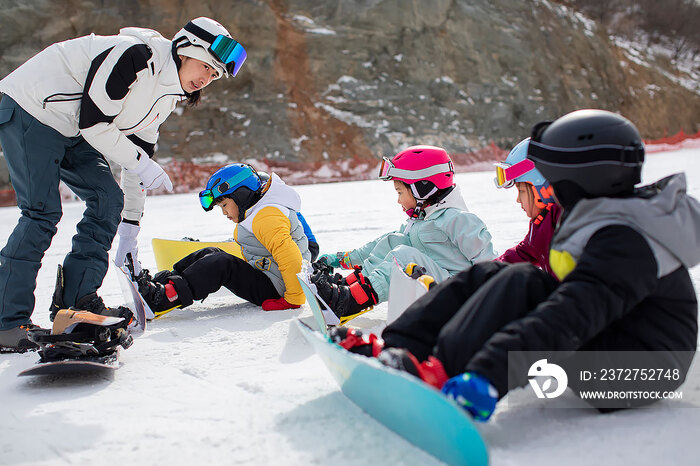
354 79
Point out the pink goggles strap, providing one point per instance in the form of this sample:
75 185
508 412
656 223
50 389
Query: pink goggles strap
518 169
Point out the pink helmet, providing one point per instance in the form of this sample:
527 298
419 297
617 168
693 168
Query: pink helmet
429 164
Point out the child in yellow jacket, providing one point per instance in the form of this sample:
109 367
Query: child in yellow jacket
273 240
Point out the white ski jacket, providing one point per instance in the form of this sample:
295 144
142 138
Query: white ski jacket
115 91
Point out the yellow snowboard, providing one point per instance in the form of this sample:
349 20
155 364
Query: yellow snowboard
169 251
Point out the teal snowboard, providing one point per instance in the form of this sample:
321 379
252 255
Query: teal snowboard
403 403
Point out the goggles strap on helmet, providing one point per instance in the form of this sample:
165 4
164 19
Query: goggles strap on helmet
419 174
602 153
507 173
200 32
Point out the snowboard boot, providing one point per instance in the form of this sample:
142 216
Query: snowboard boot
431 371
90 302
15 340
164 297
419 273
163 276
348 301
93 303
355 341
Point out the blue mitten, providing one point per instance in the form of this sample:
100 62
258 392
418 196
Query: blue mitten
473 393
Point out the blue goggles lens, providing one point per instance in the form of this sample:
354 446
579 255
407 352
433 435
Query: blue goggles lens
229 52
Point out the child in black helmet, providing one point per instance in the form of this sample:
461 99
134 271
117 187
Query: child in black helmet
621 257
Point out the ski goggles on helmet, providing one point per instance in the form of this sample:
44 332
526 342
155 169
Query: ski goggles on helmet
225 49
388 171
385 168
220 187
507 173
229 52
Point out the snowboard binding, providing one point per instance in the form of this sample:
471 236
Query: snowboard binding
129 264
324 271
81 334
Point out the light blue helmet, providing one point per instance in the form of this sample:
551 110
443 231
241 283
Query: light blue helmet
517 168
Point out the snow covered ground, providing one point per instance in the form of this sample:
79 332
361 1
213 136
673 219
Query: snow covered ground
223 382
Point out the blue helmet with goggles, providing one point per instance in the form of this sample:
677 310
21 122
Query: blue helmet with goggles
517 168
239 182
222 51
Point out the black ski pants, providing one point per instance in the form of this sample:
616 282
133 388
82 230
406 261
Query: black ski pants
461 317
455 319
208 269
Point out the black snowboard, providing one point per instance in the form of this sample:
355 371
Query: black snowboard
84 365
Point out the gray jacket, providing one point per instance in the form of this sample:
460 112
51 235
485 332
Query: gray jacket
662 213
272 238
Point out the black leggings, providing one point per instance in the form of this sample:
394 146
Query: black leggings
208 269
464 319
456 318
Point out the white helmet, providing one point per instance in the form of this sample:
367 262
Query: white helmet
208 41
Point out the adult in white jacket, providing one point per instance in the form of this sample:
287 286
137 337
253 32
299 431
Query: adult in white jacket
64 113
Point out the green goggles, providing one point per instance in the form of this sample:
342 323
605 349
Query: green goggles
206 199
220 184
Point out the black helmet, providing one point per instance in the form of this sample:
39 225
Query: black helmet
588 153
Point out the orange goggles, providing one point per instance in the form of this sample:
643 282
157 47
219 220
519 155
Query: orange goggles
506 173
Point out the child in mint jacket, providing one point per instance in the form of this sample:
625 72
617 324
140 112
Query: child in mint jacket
440 235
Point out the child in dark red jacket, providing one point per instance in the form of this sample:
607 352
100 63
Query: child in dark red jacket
536 199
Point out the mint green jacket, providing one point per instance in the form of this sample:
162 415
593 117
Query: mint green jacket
447 240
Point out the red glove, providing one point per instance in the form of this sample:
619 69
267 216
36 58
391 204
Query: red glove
278 304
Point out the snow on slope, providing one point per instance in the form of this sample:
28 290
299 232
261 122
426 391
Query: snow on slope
223 382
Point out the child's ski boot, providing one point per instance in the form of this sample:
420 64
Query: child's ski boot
353 340
420 274
165 292
348 300
430 371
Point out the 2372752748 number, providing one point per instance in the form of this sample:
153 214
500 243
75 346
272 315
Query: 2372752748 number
639 374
